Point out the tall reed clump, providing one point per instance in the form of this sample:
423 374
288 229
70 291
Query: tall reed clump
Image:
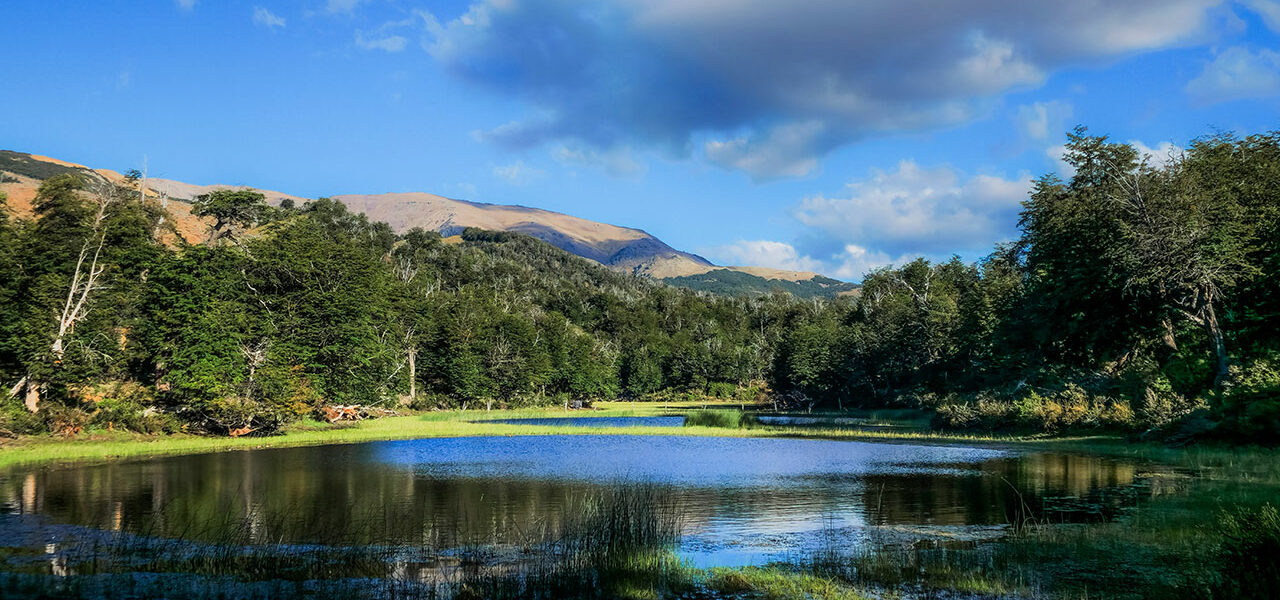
1250 554
725 419
619 545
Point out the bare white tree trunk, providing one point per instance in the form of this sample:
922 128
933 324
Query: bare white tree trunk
83 283
413 373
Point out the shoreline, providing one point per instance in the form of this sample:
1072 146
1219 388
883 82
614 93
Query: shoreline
105 446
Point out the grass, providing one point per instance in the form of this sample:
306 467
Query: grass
618 546
779 583
103 445
722 418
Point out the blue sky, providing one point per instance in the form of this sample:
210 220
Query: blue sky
818 135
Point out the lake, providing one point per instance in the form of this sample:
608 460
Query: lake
743 500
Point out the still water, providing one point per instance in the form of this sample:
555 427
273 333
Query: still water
743 500
664 421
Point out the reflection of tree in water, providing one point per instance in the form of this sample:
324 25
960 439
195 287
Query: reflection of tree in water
343 495
1008 490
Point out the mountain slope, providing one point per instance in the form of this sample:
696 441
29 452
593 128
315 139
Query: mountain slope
622 249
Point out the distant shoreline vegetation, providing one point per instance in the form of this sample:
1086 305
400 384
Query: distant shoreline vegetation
1141 299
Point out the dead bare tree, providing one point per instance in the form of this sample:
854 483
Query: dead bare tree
86 279
1185 246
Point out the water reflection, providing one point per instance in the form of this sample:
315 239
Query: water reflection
670 421
742 498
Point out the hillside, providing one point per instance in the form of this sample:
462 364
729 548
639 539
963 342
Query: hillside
623 249
620 248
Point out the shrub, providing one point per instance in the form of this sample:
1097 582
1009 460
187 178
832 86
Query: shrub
721 390
727 419
1250 408
15 419
1250 554
124 405
1159 405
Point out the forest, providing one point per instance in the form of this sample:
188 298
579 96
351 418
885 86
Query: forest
1142 296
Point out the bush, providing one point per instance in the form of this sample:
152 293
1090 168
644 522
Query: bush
1249 557
1071 407
727 419
15 419
238 415
62 419
1250 408
125 405
127 414
721 390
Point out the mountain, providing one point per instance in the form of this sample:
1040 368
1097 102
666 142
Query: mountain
623 249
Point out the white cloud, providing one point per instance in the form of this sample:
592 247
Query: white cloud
917 210
390 43
1063 168
854 262
1268 10
786 151
851 263
618 162
518 173
186 4
341 6
266 18
778 85
1160 155
1237 74
1042 120
763 253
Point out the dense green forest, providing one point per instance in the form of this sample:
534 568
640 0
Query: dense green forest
1140 297
729 282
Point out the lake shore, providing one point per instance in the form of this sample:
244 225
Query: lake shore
102 445
1163 543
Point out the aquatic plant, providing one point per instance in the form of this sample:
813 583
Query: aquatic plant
725 419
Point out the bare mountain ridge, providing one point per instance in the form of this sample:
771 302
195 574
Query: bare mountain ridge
620 248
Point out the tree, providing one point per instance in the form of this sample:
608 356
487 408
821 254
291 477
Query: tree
230 209
1185 243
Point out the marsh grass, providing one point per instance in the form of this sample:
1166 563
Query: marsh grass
618 545
720 418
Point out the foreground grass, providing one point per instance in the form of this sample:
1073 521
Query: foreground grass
774 583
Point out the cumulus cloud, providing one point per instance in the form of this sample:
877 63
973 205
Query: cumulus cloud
615 161
1039 121
341 6
790 150
266 18
1061 166
389 43
918 210
763 253
854 262
1160 155
1268 10
1237 74
776 85
518 173
851 263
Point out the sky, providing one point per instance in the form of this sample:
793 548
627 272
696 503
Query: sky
830 136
